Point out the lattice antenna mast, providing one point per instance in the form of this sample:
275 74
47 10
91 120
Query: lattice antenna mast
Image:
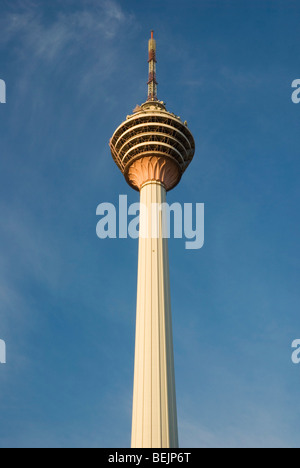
152 83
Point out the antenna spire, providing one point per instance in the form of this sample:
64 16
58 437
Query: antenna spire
152 83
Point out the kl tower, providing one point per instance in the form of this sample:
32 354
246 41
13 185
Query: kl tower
153 148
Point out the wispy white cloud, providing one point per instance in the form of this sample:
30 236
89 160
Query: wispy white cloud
26 255
241 79
48 39
85 35
266 433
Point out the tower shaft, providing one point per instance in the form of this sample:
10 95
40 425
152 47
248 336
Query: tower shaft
154 423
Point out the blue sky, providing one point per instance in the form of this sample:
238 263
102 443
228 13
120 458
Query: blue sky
74 70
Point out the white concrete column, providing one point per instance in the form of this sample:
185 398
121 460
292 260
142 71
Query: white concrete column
154 422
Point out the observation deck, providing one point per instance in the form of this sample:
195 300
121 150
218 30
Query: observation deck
152 131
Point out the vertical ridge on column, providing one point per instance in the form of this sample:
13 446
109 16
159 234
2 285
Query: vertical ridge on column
154 402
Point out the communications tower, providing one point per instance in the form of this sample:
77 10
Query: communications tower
153 148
